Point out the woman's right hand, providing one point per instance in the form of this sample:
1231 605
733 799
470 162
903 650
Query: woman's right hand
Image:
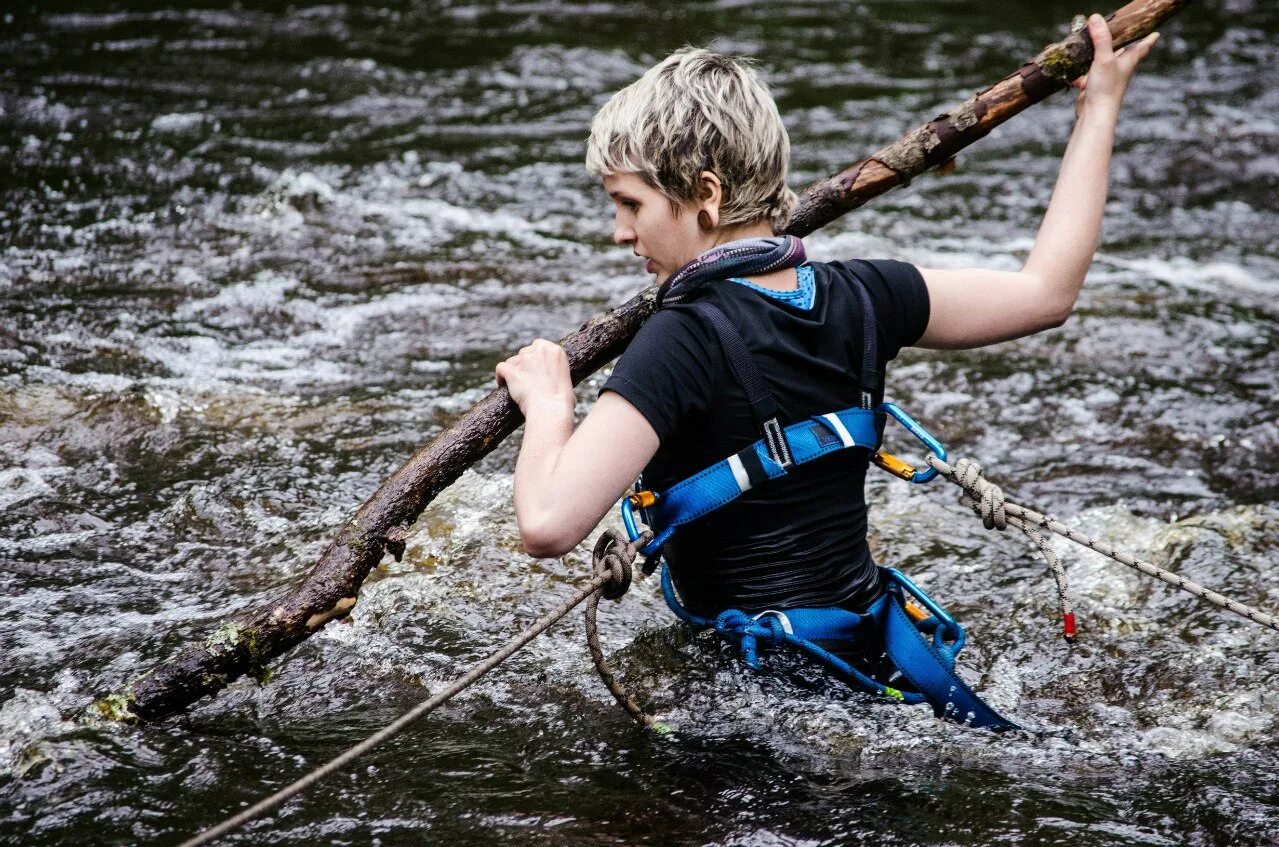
539 375
1108 76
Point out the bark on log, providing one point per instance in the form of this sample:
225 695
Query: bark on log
381 524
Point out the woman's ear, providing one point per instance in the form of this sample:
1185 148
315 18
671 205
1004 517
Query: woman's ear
709 194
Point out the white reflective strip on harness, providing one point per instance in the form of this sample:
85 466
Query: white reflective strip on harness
781 616
840 429
739 473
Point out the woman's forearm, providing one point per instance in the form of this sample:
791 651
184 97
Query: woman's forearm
547 429
1071 228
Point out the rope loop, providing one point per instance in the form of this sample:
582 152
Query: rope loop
613 556
750 632
987 500
981 495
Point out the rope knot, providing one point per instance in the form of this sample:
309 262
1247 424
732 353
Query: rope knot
750 632
981 495
614 555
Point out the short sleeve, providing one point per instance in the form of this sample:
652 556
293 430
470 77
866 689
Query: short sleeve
667 372
900 298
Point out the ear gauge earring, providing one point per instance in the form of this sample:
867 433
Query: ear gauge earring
704 221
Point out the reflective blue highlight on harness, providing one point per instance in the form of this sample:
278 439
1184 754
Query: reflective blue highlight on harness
923 652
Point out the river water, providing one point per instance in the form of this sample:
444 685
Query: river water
254 255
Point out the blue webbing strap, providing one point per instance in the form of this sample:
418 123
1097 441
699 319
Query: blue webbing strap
929 667
726 480
805 625
932 671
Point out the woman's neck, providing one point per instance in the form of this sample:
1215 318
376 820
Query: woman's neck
783 280
737 233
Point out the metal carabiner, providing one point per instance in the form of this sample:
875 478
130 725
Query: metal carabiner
642 500
900 468
639 500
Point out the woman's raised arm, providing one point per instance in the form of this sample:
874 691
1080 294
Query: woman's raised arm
975 307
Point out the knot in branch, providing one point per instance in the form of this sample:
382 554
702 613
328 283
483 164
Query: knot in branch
980 494
395 540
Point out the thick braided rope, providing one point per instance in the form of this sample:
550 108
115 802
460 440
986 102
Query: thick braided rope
979 490
614 555
987 500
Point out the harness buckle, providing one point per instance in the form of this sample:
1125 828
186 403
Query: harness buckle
778 448
899 467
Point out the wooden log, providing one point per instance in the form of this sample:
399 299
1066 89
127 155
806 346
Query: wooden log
381 524
937 141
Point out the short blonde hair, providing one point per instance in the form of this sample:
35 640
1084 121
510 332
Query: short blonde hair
694 111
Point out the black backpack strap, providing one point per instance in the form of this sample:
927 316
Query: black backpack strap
872 374
742 363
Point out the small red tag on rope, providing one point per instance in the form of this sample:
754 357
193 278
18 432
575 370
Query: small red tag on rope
1068 625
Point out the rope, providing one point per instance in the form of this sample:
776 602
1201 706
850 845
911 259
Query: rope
601 581
613 555
613 559
987 500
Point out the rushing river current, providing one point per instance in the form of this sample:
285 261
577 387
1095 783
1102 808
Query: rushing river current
251 257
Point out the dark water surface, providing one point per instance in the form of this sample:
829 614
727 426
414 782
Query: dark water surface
253 256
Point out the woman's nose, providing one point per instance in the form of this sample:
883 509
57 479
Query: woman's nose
623 233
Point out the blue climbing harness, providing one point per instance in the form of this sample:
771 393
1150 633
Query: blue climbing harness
920 644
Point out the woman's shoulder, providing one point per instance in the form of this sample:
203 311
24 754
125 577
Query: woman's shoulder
675 317
670 330
890 283
896 291
869 271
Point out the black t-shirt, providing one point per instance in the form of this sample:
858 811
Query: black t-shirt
798 541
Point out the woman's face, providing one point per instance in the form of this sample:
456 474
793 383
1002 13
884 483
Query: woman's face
645 223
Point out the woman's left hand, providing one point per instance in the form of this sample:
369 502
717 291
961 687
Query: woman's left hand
1111 70
538 374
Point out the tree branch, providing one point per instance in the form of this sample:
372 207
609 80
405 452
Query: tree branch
382 523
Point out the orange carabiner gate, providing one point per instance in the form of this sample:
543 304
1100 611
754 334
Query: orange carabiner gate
900 468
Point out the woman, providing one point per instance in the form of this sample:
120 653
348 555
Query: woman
694 156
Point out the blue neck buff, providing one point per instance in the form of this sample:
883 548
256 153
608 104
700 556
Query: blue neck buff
746 257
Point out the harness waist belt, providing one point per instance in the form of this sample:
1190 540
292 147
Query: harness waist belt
726 480
922 651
